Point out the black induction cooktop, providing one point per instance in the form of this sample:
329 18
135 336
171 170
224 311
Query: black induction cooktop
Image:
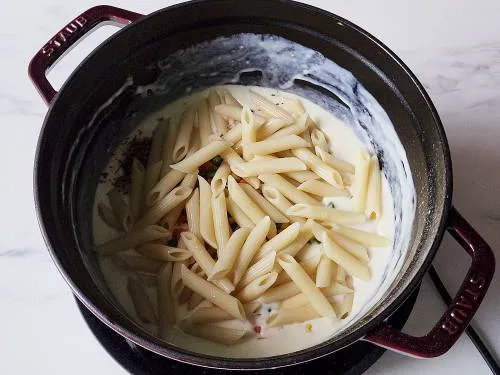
355 359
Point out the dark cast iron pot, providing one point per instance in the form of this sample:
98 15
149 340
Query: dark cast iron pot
79 135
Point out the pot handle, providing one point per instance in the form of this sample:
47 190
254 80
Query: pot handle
463 307
67 38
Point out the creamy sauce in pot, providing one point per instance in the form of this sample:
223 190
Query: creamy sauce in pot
271 341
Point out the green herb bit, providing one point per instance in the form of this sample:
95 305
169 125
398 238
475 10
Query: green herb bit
217 161
173 242
331 205
211 173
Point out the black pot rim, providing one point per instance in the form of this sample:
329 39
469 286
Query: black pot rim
305 355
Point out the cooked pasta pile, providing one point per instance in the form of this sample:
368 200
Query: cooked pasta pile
222 217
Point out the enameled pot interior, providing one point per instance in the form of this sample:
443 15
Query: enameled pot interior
87 133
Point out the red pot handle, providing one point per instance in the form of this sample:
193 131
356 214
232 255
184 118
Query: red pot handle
463 307
67 38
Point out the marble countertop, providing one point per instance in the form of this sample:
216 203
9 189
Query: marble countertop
452 45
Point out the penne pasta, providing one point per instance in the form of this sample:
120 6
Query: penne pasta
193 213
269 108
194 301
163 252
248 131
292 105
142 304
270 127
295 315
138 263
156 150
298 244
213 314
326 214
287 189
324 272
190 180
206 215
213 294
219 181
163 187
137 176
277 200
344 308
229 254
166 307
120 208
133 239
318 139
169 221
254 241
257 287
306 285
219 124
204 260
233 111
176 286
232 158
338 164
280 293
204 154
254 168
302 176
181 145
151 177
353 247
238 215
275 215
271 146
234 134
301 299
280 241
221 222
204 126
220 335
259 268
164 206
244 202
168 147
323 170
360 186
322 189
373 197
298 127
361 236
352 265
108 216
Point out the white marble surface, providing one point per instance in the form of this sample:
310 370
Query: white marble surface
452 45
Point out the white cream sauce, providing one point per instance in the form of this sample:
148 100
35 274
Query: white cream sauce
272 341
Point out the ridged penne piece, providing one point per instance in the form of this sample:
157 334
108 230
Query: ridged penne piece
232 158
301 299
206 216
270 127
324 272
182 141
164 206
360 186
213 294
204 260
283 165
137 263
373 198
166 304
269 108
156 150
238 215
322 189
136 197
322 213
361 236
287 189
221 222
220 335
280 241
302 176
204 154
295 315
108 216
252 244
193 212
271 146
352 265
163 187
142 304
163 252
219 123
133 239
259 268
323 170
275 214
168 147
120 208
214 314
298 127
336 163
306 285
257 287
151 177
204 126
233 112
229 255
219 181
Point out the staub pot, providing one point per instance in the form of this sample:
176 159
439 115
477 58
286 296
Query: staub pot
80 130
